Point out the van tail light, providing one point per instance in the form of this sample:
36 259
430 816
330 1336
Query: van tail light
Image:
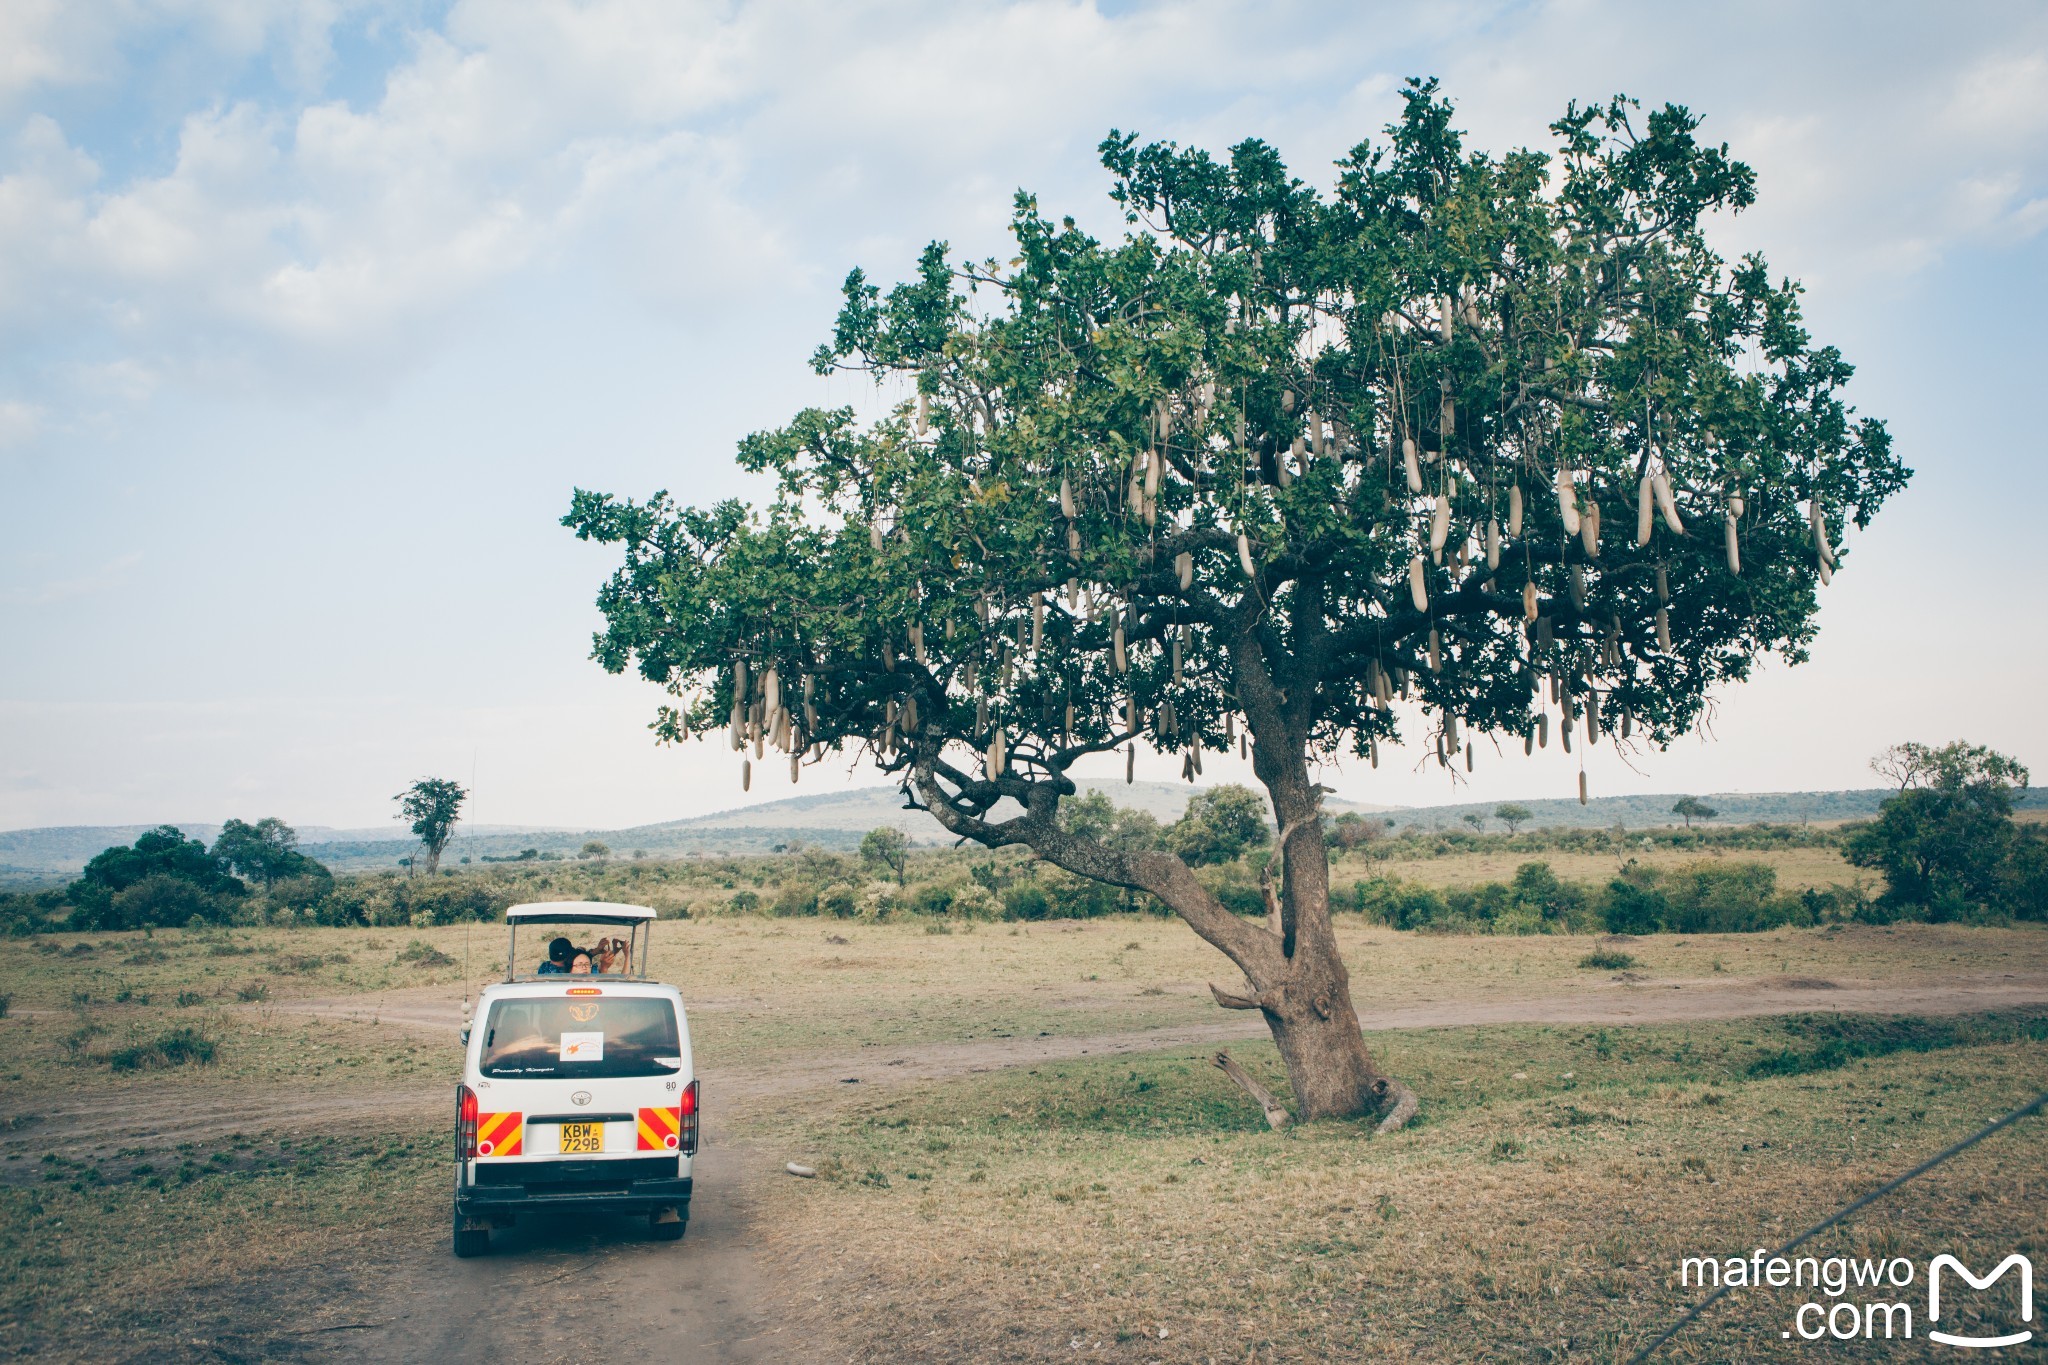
687 1143
465 1123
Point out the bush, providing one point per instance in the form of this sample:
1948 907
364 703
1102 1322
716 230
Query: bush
1727 898
420 953
300 893
159 899
1397 904
173 1047
794 899
1633 909
1607 960
1947 843
976 902
447 902
1026 902
1236 885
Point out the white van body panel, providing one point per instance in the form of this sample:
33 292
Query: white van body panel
576 1099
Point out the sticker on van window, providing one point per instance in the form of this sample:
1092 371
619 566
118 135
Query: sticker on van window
582 1047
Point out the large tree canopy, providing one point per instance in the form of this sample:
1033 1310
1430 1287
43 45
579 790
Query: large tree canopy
1503 437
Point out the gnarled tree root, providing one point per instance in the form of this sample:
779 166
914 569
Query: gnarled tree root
1392 1092
1276 1113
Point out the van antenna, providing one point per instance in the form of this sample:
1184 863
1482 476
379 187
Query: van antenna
468 923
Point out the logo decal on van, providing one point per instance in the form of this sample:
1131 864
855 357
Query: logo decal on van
580 1097
582 1047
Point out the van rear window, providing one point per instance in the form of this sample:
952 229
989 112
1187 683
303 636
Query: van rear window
616 1036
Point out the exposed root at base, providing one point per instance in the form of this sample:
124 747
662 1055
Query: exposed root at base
1276 1113
1403 1100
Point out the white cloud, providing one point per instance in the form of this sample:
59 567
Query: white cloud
705 151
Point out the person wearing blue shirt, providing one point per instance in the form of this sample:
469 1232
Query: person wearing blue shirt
559 953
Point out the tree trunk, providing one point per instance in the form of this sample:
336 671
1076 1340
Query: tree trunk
1320 1042
1296 975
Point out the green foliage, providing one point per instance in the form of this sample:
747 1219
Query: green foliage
1634 909
1512 815
887 847
1947 843
1721 897
1220 825
163 878
1026 902
1691 808
1827 1042
433 805
1352 830
795 898
1226 397
266 851
1724 898
1607 960
420 953
180 1046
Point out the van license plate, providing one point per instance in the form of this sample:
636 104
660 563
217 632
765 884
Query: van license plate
582 1137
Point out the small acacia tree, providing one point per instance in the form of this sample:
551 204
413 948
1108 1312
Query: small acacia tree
1691 808
1500 438
432 804
887 847
1512 814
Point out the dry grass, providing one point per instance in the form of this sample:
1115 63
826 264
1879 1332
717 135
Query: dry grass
1137 1210
1320 1243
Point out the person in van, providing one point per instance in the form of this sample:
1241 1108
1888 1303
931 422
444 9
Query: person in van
579 965
559 953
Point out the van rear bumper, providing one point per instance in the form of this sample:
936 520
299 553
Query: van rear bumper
618 1186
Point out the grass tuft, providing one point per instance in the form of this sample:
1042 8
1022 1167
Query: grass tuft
178 1046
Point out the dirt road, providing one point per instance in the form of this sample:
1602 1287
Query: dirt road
562 1290
84 1127
570 1290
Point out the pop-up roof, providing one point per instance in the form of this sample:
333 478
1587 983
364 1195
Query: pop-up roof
580 912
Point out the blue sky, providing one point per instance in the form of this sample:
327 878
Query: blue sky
314 313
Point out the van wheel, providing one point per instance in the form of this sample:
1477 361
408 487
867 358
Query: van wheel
471 1241
669 1232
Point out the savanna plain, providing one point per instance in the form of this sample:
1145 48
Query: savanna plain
232 1142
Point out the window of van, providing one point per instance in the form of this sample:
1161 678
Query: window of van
579 1038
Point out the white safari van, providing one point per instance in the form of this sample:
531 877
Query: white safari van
577 1090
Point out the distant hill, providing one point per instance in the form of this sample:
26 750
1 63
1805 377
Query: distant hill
832 820
60 851
837 820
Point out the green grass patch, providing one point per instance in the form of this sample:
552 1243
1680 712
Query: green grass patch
180 1046
1827 1042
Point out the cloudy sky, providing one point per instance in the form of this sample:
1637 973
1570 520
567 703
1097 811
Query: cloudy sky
312 313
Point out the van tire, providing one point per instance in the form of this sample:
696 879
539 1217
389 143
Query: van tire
669 1232
471 1241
